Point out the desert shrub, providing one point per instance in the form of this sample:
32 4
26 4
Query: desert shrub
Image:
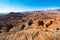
49 23
57 29
22 27
30 22
40 23
0 26
23 20
8 27
42 13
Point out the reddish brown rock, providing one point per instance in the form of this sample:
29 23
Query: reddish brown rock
33 34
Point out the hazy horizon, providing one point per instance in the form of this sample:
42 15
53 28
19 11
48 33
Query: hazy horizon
27 5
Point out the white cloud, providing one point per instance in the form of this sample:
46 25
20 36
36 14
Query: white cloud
9 8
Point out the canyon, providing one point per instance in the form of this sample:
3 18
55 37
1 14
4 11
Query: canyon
34 25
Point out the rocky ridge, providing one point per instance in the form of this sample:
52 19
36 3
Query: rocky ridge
33 26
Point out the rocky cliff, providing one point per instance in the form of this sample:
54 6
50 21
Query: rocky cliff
31 26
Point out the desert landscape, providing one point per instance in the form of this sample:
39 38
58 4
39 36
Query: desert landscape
33 25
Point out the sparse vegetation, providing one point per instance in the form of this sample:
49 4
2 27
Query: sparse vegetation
40 23
30 22
34 26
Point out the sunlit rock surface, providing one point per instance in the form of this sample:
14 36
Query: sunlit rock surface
36 25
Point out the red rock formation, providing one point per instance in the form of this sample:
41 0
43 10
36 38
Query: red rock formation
19 27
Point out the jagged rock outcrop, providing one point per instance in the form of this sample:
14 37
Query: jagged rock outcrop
33 26
34 34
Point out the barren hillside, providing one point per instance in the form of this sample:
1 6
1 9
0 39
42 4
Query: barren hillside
36 25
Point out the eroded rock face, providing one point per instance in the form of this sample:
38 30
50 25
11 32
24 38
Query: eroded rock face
46 24
33 34
34 26
32 21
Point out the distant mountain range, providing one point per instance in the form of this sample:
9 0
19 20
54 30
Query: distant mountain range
52 9
42 10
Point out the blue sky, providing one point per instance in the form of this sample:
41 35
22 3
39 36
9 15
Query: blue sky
27 5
